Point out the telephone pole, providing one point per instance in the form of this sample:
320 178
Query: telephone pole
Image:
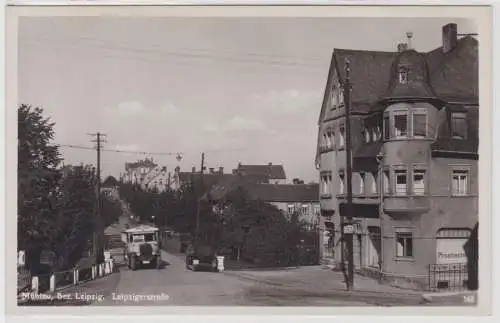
98 252
348 225
200 190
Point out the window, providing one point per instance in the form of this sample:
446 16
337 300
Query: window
419 125
332 138
305 209
386 182
334 96
366 135
361 183
458 125
419 182
404 244
375 134
342 184
401 181
374 183
403 75
387 128
459 184
342 137
326 184
401 125
291 209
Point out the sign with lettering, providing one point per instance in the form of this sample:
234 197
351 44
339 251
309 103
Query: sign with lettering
348 229
451 251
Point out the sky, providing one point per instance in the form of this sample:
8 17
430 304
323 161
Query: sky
243 90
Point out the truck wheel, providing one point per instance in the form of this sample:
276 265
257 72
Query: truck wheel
133 263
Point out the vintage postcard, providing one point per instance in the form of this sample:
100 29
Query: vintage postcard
307 159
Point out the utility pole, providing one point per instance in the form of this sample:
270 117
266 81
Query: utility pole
348 226
200 190
98 252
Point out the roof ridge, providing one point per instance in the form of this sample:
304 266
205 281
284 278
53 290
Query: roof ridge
364 51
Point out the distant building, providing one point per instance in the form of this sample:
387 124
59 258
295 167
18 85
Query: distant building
414 140
288 198
271 174
136 172
210 178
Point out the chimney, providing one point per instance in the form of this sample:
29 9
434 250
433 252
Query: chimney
177 169
239 164
211 169
193 169
221 170
235 171
270 164
449 37
402 47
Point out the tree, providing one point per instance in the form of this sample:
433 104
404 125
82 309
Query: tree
38 179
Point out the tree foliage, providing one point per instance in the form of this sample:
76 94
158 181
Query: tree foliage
56 205
38 179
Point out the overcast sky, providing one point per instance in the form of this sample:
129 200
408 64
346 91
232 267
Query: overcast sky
240 89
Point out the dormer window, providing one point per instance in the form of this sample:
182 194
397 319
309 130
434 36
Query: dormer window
403 75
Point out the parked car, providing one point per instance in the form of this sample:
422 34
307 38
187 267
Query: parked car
201 257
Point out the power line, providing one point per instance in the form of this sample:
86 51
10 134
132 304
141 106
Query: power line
191 49
147 152
191 56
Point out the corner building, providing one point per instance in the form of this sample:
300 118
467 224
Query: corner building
414 137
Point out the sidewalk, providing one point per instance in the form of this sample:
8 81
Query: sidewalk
318 280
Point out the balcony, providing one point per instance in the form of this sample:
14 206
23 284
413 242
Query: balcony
406 204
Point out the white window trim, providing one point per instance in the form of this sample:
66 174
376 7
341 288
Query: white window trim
463 188
420 113
395 130
404 231
398 191
342 137
362 186
416 169
342 184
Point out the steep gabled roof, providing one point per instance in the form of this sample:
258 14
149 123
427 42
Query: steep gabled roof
292 193
265 171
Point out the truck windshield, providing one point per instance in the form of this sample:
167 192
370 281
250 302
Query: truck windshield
147 237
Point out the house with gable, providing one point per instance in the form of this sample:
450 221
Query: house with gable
414 135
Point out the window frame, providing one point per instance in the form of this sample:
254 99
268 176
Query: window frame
459 171
403 74
400 169
461 116
386 184
400 113
342 137
419 113
387 133
362 183
404 233
342 188
420 168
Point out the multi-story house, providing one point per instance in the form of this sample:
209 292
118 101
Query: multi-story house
301 199
414 134
157 179
136 172
271 174
210 178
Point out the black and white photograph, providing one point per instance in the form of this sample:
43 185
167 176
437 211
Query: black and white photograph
242 161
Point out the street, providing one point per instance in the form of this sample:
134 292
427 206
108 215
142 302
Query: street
177 286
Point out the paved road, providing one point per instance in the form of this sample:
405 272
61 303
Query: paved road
175 285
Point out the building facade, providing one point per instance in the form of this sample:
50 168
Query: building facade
137 171
414 136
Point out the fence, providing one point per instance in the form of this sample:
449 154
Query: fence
448 277
50 283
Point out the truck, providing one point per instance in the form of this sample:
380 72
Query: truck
142 246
